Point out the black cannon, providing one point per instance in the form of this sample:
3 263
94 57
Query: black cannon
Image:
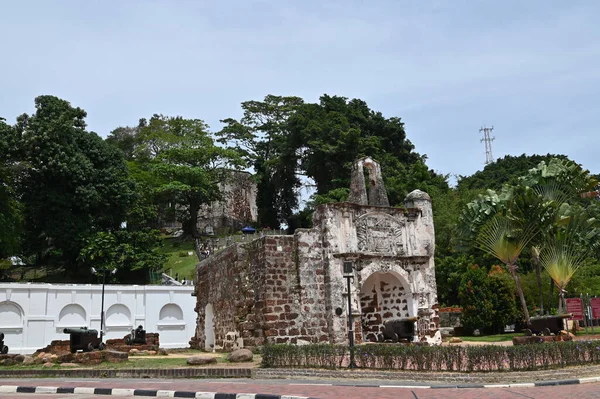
546 325
83 338
3 348
398 329
137 336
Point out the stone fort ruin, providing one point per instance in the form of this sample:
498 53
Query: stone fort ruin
291 289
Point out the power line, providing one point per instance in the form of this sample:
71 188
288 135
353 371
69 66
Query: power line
489 158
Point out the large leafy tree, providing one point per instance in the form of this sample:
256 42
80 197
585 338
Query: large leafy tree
506 170
10 215
186 164
264 137
73 185
332 134
503 223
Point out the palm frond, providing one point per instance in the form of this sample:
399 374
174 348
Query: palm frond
504 238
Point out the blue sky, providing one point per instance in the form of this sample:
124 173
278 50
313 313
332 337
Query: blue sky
529 68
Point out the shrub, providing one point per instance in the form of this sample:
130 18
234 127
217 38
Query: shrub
436 358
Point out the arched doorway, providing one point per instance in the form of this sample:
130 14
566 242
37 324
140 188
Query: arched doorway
209 328
382 297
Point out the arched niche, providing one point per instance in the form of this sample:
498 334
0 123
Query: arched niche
209 328
11 315
72 315
170 313
118 315
383 296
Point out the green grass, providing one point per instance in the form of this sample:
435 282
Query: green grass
492 338
581 333
185 265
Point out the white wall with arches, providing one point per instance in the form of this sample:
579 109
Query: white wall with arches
33 315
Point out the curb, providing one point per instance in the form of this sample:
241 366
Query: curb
142 392
132 373
218 395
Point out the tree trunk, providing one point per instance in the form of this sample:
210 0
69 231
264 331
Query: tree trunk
561 299
551 291
538 275
513 271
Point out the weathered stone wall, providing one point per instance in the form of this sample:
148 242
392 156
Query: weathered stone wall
237 209
291 289
259 290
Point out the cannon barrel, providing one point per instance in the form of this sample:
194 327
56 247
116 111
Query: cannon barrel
82 331
414 318
558 316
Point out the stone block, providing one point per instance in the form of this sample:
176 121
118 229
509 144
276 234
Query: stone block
240 355
201 360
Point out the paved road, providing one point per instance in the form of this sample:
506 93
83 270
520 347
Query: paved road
307 388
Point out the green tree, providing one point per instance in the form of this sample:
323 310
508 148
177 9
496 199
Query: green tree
10 210
529 211
332 134
189 166
505 239
73 185
475 299
568 249
505 170
264 137
502 287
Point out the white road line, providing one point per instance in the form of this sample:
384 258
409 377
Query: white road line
165 394
205 395
523 385
122 392
85 390
406 386
321 385
45 389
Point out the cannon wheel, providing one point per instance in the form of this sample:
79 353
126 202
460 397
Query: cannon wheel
394 338
380 338
128 340
527 332
4 350
547 331
90 347
102 346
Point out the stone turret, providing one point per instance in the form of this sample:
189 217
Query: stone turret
377 195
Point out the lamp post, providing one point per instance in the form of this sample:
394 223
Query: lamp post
102 302
349 275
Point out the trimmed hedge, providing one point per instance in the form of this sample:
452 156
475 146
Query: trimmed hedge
436 358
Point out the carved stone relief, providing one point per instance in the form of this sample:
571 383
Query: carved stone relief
379 233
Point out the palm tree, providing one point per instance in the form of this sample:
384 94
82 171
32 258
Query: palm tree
568 249
505 239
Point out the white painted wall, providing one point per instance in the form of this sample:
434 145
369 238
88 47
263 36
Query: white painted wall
33 315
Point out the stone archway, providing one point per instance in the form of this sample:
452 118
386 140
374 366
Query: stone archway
383 296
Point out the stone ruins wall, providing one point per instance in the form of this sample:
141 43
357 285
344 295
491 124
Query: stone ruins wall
259 291
291 289
237 209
